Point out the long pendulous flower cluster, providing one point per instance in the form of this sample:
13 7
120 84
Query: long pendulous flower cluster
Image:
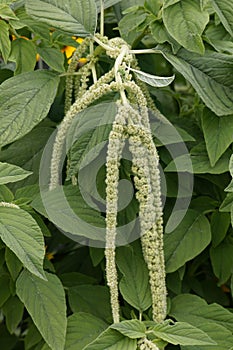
132 123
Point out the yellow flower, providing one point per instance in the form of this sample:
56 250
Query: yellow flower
69 50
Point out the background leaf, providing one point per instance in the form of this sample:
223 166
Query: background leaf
82 329
187 240
225 12
181 333
77 18
84 298
12 173
24 101
134 269
112 340
207 74
218 133
23 53
20 232
45 302
5 44
133 328
180 21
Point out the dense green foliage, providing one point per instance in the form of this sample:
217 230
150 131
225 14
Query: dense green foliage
53 288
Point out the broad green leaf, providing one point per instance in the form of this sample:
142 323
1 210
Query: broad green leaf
107 3
167 3
153 80
222 336
45 302
77 18
181 333
227 203
5 290
13 264
132 329
13 311
8 341
200 162
5 194
52 57
189 239
225 12
73 279
21 234
82 329
222 261
6 12
195 310
24 101
208 74
112 340
67 209
180 22
88 131
12 173
132 26
219 226
218 133
23 53
26 153
91 299
5 43
134 269
32 337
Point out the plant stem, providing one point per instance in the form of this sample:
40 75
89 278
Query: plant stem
102 17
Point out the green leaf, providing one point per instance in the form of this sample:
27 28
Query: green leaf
52 57
82 329
133 25
5 43
77 18
107 3
189 239
112 340
89 130
72 215
132 329
26 153
219 226
23 53
45 302
218 133
225 12
20 232
6 12
219 334
12 173
195 310
180 22
24 101
134 269
5 291
200 162
209 75
181 333
5 194
227 203
84 298
153 80
32 337
168 3
13 311
222 261
13 264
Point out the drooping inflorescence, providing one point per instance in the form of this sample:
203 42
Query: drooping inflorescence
131 123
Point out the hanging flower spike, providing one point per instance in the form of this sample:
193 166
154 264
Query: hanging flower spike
115 147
